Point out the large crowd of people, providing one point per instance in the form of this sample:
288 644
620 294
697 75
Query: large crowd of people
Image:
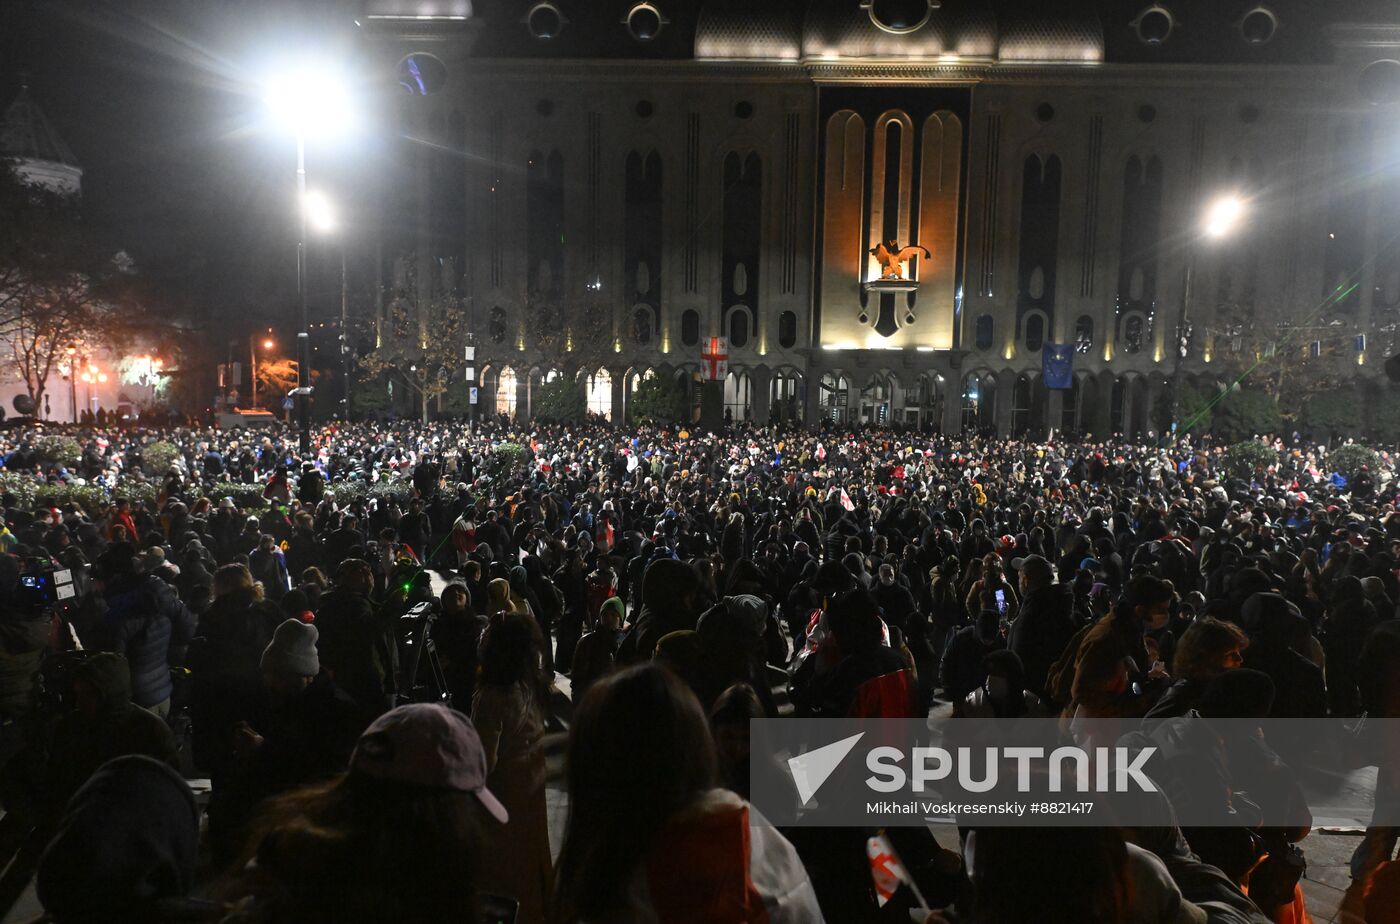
369 651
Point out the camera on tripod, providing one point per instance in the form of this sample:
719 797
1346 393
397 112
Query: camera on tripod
416 650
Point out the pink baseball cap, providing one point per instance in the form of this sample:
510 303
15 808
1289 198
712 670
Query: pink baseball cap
427 744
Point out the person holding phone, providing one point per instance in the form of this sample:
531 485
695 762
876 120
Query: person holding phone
993 582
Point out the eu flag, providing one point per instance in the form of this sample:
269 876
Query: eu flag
1057 365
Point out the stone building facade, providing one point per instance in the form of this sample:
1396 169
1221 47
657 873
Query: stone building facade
722 168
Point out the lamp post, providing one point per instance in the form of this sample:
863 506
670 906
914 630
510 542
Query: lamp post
267 344
310 101
73 381
323 219
1221 218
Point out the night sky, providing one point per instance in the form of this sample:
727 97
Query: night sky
160 101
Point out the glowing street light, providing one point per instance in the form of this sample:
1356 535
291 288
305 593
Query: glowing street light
268 344
319 212
1223 216
310 101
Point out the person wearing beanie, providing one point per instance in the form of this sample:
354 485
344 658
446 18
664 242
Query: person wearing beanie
595 656
125 849
302 732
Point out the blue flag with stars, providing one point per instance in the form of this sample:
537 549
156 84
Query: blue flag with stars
1057 365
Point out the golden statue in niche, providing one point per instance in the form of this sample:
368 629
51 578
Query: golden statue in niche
892 257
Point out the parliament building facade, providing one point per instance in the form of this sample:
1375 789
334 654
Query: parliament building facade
673 171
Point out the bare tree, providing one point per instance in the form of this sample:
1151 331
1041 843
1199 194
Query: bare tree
419 342
61 288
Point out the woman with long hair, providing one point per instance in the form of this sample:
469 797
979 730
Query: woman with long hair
399 837
664 851
508 710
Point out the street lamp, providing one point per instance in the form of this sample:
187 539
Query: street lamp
1222 217
267 344
321 216
319 212
311 101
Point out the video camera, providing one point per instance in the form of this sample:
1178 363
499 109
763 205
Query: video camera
42 586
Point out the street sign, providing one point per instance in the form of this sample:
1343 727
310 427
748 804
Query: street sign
473 395
470 354
288 404
471 373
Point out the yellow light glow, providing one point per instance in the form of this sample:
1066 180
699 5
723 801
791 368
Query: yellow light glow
1223 215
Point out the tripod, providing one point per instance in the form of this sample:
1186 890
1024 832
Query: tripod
416 648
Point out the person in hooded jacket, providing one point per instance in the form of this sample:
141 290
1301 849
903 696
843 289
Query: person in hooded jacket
680 849
223 660
125 850
143 617
1350 618
964 667
1044 623
670 591
105 724
1278 635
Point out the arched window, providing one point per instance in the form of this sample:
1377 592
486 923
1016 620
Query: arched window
1083 334
641 326
690 327
1035 333
1132 334
984 332
971 401
787 330
506 388
738 327
782 398
600 393
497 325
738 396
835 396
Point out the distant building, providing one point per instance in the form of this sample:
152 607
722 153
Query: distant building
40 156
722 168
117 383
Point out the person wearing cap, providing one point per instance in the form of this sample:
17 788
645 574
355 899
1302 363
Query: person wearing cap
400 836
1045 621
